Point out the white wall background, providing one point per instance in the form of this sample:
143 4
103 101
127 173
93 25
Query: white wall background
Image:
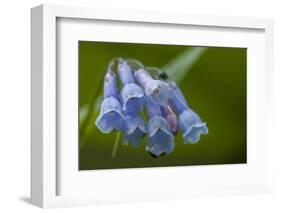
15 104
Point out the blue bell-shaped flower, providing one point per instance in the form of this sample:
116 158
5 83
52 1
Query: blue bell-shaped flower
189 122
110 117
134 130
191 126
132 94
160 138
158 92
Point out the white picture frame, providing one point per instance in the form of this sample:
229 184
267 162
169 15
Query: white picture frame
48 169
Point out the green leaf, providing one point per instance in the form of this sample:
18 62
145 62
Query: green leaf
179 66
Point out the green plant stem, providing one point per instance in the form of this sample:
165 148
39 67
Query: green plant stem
115 145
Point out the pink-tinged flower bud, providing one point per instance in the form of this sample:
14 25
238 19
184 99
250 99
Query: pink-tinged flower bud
171 117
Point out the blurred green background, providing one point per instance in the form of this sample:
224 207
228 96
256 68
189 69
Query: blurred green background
213 80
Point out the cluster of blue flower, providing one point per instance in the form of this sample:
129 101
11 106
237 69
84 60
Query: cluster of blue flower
166 107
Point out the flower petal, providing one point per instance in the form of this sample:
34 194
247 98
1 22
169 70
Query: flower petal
191 126
133 98
193 136
134 138
110 85
160 141
125 73
158 92
156 123
132 122
110 117
134 130
178 93
178 102
142 77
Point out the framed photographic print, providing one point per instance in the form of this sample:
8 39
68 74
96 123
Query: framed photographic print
131 105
